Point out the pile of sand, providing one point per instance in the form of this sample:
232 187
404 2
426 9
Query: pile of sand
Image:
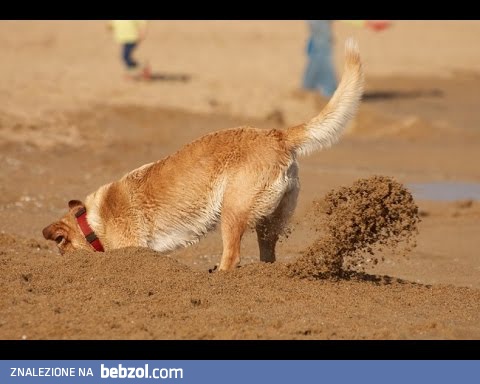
356 220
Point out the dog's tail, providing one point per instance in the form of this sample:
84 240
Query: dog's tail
325 129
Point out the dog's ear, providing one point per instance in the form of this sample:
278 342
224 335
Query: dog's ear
55 232
75 203
75 206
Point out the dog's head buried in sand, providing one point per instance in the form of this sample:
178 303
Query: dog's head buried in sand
240 177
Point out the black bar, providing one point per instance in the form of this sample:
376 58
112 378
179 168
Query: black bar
239 350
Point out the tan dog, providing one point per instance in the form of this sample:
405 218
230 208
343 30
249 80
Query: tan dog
237 177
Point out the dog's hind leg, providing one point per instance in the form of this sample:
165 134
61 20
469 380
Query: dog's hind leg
235 216
233 228
269 228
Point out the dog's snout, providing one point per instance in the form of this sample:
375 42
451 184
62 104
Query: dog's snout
47 232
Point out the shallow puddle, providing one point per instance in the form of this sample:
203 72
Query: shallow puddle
445 190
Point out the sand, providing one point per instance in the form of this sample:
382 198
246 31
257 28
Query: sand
69 123
372 214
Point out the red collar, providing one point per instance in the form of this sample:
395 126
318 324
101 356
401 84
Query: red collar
91 237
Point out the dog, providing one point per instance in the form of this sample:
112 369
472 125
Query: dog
239 177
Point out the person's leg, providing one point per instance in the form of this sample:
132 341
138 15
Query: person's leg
310 76
320 72
326 80
127 52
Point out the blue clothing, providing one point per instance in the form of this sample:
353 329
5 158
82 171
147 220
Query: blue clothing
320 72
127 50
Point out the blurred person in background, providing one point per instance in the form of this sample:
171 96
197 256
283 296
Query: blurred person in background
320 72
129 34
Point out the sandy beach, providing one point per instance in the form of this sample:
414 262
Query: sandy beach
70 123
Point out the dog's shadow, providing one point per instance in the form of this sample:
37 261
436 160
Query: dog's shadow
381 95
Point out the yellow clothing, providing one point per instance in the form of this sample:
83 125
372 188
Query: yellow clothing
356 23
127 31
